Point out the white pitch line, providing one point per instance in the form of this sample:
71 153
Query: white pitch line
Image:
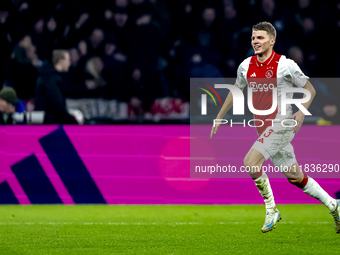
150 223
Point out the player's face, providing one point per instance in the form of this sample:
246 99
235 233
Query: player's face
261 42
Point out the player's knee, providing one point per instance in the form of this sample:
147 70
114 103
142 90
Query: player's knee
251 167
248 162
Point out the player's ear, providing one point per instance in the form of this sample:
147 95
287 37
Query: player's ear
272 41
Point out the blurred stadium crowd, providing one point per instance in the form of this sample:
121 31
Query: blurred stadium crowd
136 51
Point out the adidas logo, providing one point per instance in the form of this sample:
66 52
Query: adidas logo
253 75
37 184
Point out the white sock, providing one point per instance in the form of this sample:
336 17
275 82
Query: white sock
263 185
313 189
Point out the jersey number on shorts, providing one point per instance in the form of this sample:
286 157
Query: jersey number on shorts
265 135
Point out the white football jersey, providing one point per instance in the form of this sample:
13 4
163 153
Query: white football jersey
276 72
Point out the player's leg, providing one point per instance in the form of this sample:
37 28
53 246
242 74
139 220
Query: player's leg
271 141
301 180
253 162
295 176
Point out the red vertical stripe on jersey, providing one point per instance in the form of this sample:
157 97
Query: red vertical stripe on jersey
262 75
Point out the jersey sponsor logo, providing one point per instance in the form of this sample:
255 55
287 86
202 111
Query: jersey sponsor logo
269 74
258 87
253 75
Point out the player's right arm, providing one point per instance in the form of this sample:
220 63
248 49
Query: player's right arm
228 103
241 82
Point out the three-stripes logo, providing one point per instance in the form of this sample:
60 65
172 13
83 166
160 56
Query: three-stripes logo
69 166
204 98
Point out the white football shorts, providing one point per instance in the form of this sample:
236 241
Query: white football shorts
274 144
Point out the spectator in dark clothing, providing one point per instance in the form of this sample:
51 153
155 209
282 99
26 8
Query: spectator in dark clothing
296 53
53 33
330 111
73 81
40 38
95 83
8 101
96 42
139 8
114 72
230 25
137 91
282 20
144 48
311 52
83 55
49 96
121 28
82 25
207 37
121 3
5 38
21 71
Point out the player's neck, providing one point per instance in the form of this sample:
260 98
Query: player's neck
263 57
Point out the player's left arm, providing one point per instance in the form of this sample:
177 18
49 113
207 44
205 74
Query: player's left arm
299 116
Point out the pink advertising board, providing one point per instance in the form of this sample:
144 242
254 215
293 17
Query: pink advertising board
142 164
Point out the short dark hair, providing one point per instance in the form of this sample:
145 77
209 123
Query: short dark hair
57 55
266 26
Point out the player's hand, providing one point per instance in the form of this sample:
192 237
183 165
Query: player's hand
299 116
214 130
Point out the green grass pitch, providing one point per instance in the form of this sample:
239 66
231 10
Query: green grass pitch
304 229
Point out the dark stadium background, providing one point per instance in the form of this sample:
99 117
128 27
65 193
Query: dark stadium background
138 55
